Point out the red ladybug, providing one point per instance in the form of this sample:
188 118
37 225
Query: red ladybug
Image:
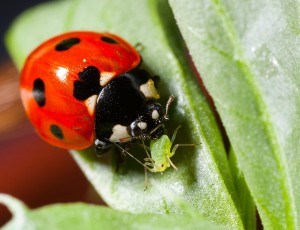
81 88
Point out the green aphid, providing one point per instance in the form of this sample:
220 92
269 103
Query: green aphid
161 151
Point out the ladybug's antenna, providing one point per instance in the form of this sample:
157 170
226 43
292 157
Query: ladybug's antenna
170 100
166 116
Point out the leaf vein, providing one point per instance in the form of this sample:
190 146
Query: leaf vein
269 129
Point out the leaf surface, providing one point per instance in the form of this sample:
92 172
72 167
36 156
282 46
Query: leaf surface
203 181
85 216
247 53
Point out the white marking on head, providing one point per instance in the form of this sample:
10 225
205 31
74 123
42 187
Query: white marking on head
119 134
149 90
106 77
61 73
90 104
142 125
155 114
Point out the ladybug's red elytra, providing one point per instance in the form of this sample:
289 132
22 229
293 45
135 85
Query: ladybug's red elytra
81 88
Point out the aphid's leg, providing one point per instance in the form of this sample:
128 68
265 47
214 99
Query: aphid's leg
179 145
151 168
146 178
171 163
174 134
149 164
148 155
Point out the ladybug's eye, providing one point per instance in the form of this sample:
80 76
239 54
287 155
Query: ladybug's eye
135 129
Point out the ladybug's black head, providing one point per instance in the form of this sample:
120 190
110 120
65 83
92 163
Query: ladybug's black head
151 122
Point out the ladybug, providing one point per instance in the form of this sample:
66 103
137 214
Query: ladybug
83 88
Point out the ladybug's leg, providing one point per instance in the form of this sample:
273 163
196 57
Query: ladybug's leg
126 147
139 47
101 147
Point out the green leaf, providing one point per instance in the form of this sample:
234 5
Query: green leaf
203 181
248 55
85 216
248 210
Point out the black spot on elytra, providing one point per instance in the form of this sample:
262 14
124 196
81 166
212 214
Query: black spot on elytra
66 44
108 40
38 92
56 131
88 85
